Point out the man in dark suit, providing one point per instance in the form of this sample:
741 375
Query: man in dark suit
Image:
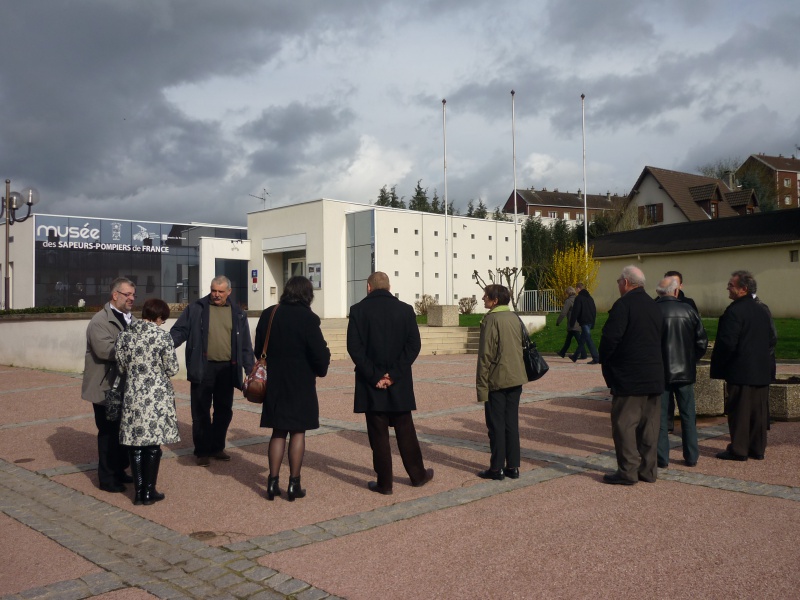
630 355
383 341
741 357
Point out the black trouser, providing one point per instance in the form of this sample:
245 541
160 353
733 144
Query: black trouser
215 390
378 424
747 407
570 335
112 458
502 421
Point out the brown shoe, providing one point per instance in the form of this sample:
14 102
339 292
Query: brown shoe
202 461
221 455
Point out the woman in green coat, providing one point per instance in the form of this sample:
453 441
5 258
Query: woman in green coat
500 376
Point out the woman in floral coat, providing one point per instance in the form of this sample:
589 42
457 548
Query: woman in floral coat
146 356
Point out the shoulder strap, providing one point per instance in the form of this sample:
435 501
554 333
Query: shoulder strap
269 328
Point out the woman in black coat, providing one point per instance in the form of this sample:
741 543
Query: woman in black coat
296 355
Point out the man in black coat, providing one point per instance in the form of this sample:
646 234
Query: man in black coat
741 357
584 313
218 346
383 341
683 344
630 355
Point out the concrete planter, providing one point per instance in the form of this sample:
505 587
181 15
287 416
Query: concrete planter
784 400
709 393
443 315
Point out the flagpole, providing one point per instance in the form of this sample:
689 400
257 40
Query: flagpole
446 234
514 192
585 193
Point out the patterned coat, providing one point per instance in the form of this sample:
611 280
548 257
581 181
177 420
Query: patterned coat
146 355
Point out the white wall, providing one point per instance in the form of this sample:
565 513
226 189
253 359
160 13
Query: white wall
651 193
21 255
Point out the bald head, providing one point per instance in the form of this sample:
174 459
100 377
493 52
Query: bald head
668 286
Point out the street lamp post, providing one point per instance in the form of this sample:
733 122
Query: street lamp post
12 202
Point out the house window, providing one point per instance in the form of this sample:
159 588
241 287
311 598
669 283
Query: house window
436 296
397 273
787 182
436 234
436 275
455 275
472 236
651 213
490 257
473 257
455 296
416 232
397 295
537 213
416 274
490 238
552 214
416 252
506 238
787 200
455 254
455 235
566 216
714 210
395 229
793 256
417 296
506 259
435 254
396 252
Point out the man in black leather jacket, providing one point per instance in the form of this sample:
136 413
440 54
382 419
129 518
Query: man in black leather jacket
683 343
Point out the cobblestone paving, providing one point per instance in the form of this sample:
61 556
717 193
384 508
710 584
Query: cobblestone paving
137 553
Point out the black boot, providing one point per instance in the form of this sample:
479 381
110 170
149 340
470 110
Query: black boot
153 460
294 490
272 488
137 471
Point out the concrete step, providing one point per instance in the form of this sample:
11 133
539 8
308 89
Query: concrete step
435 340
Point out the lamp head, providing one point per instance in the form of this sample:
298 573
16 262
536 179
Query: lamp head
30 196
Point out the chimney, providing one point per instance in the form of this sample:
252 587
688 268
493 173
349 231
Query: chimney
731 180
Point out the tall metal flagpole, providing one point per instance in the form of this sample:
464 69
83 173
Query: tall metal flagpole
514 192
446 234
585 211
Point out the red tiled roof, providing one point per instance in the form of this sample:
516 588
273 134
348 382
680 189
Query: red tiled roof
779 163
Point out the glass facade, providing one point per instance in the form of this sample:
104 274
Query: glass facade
360 253
77 259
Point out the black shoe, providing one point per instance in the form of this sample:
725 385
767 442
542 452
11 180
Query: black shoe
593 362
374 487
616 479
426 479
272 488
562 354
123 478
511 473
646 480
573 358
690 464
221 455
662 465
755 456
294 490
112 488
728 455
490 474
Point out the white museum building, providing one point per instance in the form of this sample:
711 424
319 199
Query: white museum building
338 244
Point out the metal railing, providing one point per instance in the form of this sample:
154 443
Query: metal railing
539 301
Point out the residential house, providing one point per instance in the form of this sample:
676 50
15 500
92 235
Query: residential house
777 173
661 197
552 205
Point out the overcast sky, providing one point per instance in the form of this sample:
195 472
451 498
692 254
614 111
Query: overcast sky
179 110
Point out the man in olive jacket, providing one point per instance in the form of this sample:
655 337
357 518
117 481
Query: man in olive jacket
630 355
218 347
383 341
99 373
741 357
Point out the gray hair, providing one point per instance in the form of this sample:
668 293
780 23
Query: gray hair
634 275
667 286
119 282
746 280
570 291
220 279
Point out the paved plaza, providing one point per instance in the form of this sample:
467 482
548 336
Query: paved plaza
719 530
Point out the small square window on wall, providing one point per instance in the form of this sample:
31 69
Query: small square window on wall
397 273
436 275
787 182
490 238
435 254
435 233
506 259
472 236
490 257
787 200
437 296
417 296
455 254
793 256
416 252
473 257
395 229
416 232
397 295
506 238
455 235
455 296
416 274
396 252
455 275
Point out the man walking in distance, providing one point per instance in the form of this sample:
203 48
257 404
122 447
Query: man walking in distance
99 373
383 341
584 314
630 355
741 357
683 344
218 346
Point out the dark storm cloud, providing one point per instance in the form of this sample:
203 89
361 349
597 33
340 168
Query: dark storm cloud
83 103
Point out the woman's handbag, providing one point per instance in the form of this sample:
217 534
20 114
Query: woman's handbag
535 365
113 401
254 387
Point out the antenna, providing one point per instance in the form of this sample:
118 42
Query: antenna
263 199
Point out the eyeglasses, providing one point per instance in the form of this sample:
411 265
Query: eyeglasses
621 279
128 295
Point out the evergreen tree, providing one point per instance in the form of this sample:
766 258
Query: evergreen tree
498 215
394 201
481 212
419 201
471 208
383 198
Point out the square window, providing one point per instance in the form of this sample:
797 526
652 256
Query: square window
793 256
416 232
397 295
396 252
490 238
537 213
787 200
566 215
455 234
397 273
436 275
416 274
455 275
455 296
416 252
395 229
552 214
455 254
417 296
787 182
506 238
435 254
490 257
435 233
506 259
473 257
437 296
472 236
